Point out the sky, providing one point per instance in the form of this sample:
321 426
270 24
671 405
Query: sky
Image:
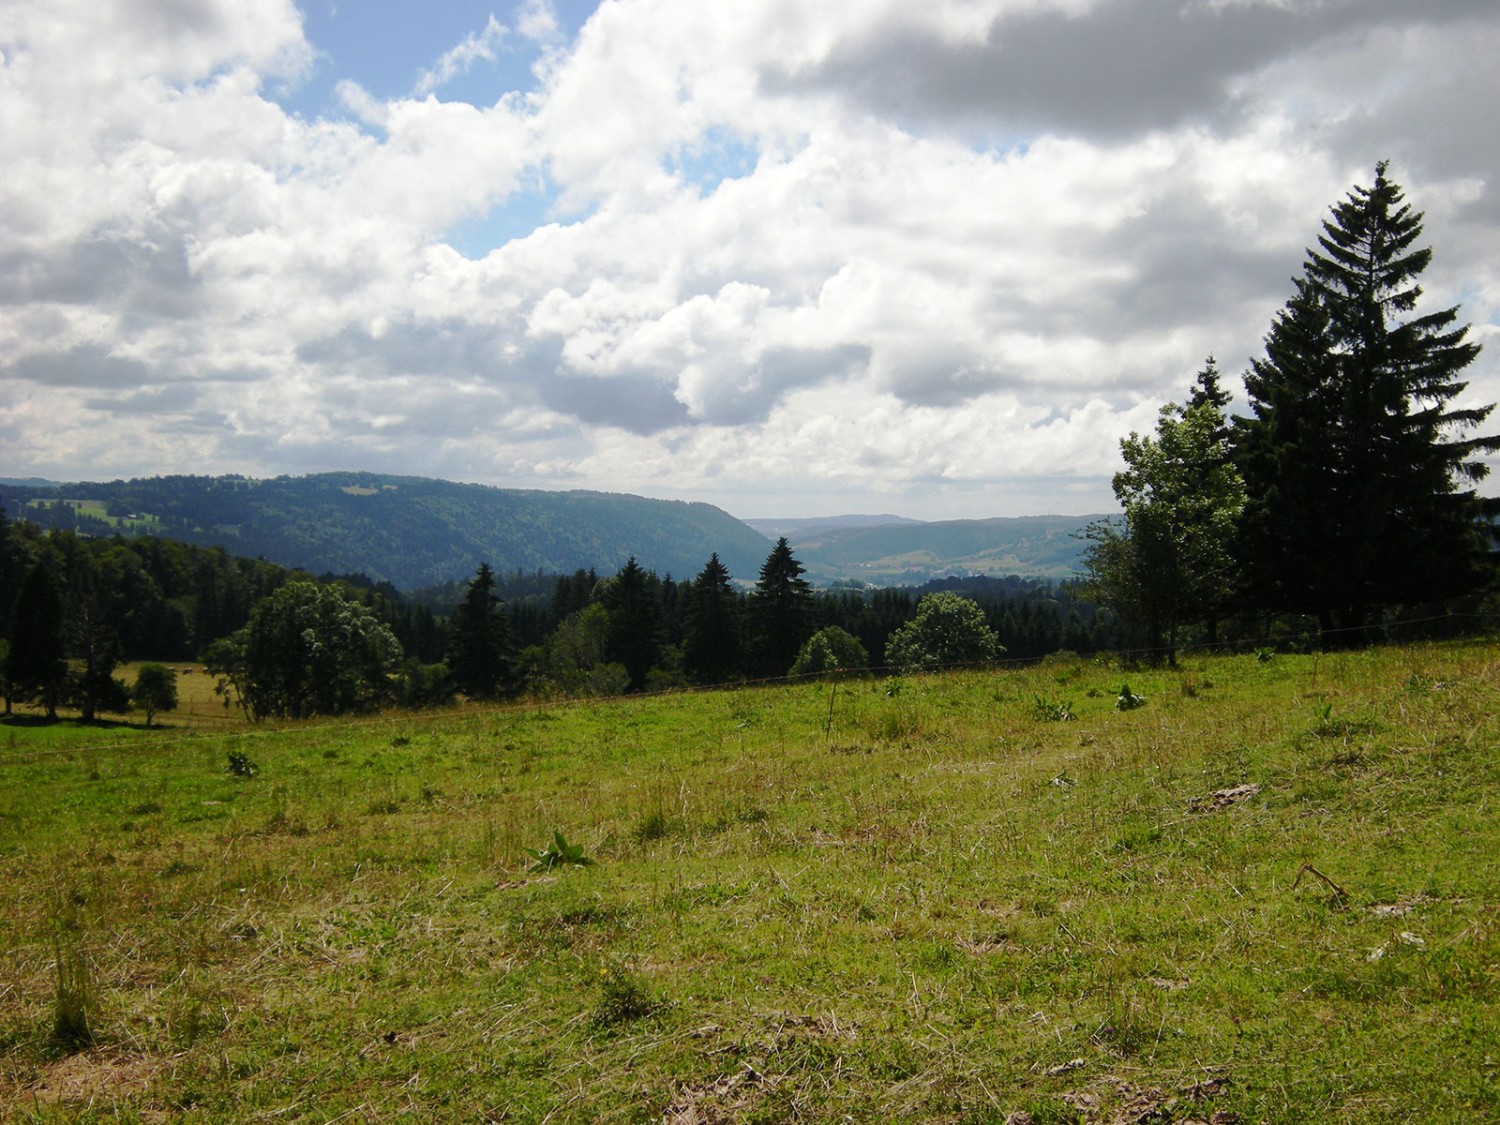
790 258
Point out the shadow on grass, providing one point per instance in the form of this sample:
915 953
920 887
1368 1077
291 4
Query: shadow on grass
25 722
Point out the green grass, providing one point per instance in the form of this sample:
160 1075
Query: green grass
940 908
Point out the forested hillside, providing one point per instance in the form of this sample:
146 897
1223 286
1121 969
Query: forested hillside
410 531
416 532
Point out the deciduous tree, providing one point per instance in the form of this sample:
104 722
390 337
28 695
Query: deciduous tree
95 646
831 649
948 630
308 650
1172 561
574 662
154 690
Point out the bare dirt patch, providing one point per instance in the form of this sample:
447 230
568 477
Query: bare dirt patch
1111 1101
1223 798
719 1101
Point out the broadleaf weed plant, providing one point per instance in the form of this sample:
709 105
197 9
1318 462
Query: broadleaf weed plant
558 853
241 766
1052 710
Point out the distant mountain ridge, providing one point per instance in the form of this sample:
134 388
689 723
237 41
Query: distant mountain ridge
410 531
418 532
810 527
890 553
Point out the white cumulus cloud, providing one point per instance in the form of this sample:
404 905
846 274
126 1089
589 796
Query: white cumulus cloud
791 258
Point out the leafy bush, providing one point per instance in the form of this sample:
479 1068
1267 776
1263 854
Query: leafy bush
830 649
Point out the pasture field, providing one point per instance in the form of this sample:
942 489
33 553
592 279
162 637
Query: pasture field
196 702
98 510
1270 893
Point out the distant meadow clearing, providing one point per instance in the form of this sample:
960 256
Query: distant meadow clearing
1265 889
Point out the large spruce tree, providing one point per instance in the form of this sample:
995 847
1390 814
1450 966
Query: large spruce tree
633 637
712 644
780 612
37 667
1358 474
480 654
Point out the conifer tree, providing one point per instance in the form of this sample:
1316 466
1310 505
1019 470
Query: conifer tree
480 654
14 562
633 637
713 646
781 612
37 667
1358 472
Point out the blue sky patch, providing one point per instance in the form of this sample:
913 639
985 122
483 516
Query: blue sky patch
386 46
718 155
514 217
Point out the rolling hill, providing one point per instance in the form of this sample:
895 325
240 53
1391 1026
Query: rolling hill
417 532
410 531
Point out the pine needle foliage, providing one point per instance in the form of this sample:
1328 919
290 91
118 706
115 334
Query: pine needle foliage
1358 467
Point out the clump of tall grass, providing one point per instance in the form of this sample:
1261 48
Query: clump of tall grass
73 997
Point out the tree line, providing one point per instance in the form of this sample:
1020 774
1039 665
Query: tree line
283 643
633 631
1346 498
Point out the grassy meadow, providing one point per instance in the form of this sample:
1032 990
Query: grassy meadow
1270 893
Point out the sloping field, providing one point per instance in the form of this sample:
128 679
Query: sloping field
1270 893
